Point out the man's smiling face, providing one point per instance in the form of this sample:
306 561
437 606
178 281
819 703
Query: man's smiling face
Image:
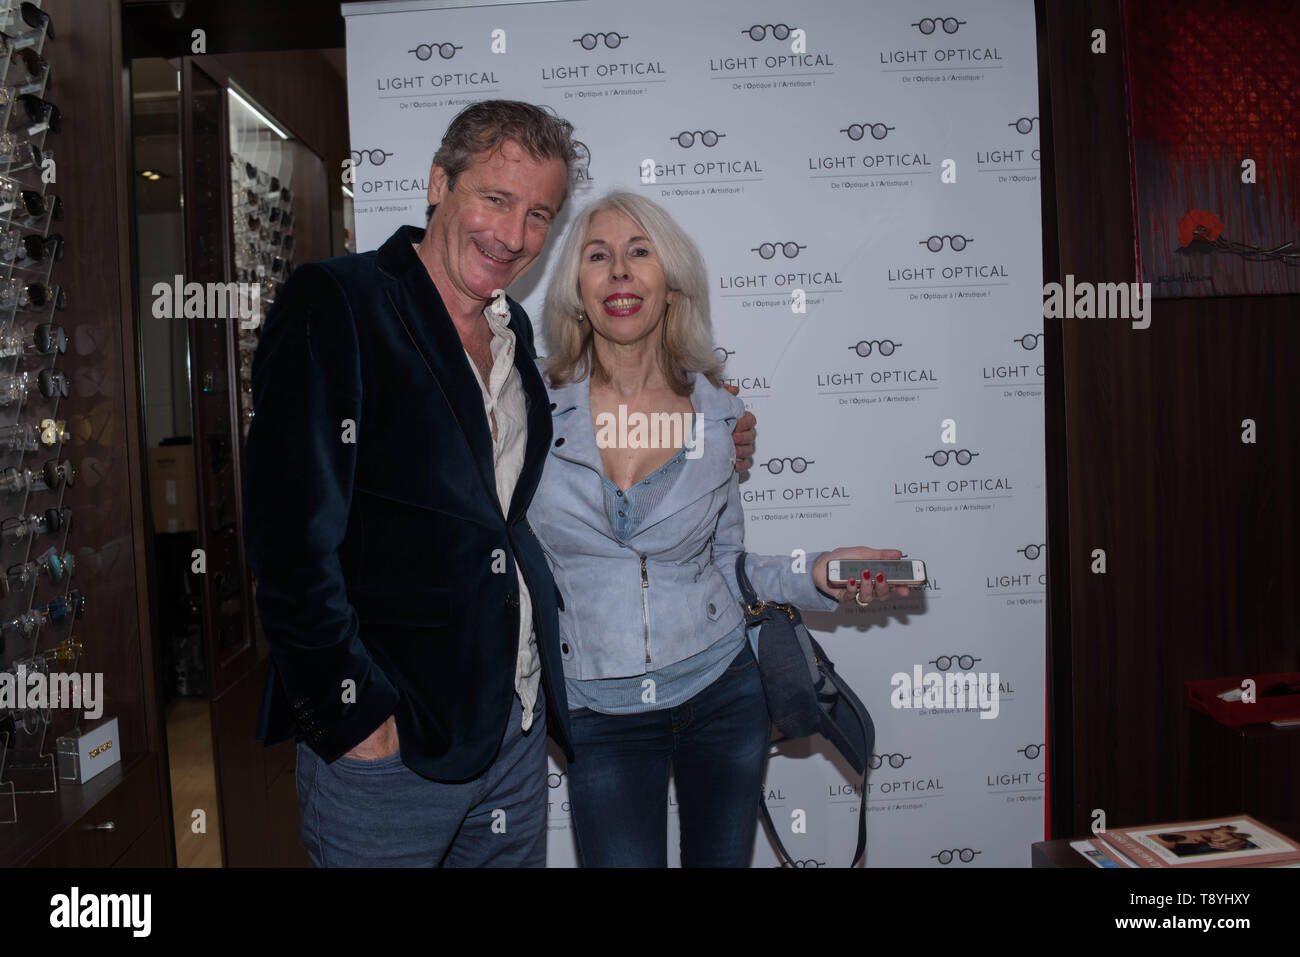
489 229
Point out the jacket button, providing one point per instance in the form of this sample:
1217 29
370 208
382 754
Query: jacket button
564 647
712 609
559 442
552 406
512 600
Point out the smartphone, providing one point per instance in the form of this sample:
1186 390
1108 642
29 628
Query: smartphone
908 571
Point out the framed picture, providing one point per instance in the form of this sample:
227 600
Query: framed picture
1214 117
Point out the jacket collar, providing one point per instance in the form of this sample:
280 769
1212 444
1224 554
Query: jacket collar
575 440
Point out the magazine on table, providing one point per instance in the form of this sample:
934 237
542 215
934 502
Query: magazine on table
1239 841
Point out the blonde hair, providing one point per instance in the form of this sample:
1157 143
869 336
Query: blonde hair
687 331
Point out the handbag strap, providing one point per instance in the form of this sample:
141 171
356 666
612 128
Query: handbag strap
746 589
776 837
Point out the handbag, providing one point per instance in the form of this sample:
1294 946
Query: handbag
805 695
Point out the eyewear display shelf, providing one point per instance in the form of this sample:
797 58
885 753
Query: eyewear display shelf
64 547
36 612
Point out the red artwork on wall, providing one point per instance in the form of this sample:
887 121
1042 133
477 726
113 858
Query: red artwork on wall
1214 115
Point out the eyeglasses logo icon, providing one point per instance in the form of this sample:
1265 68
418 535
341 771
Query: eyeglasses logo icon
686 139
935 243
1025 124
1031 751
797 464
590 41
963 854
374 157
950 24
445 50
768 250
807 863
758 31
1029 340
1032 551
885 347
963 662
856 131
553 780
895 760
942 456
722 353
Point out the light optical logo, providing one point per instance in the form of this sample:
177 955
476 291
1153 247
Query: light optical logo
761 31
375 157
1016 154
804 282
892 159
793 67
425 51
962 485
1016 378
366 171
951 50
702 164
597 75
791 471
963 854
856 131
949 25
1021 586
437 54
612 40
1021 784
927 280
875 382
753 386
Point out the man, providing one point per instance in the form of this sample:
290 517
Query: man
400 428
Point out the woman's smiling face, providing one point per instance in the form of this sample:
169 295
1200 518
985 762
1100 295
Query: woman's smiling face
621 281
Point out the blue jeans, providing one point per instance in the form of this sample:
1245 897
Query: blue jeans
380 813
716 744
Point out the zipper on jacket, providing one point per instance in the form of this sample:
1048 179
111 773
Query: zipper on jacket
645 612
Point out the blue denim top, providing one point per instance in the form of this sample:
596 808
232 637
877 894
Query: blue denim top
682 680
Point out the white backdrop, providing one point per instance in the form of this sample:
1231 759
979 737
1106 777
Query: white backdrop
792 164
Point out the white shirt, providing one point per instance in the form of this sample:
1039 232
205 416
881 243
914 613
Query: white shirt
503 395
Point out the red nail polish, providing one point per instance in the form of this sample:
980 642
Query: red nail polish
880 579
853 581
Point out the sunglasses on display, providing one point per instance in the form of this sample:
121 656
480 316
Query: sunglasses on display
50 522
40 114
51 478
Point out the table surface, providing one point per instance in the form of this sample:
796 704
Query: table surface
1061 854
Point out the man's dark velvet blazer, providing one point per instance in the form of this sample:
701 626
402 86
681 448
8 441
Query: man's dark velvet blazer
385 568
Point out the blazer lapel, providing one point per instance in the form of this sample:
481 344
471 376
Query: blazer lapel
421 312
539 414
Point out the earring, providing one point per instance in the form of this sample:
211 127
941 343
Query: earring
582 315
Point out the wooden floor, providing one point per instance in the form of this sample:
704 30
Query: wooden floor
194 782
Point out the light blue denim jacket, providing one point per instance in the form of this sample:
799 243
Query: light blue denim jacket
669 591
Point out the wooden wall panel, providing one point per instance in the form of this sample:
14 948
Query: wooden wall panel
1199 529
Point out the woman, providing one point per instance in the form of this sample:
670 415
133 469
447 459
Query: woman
642 536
